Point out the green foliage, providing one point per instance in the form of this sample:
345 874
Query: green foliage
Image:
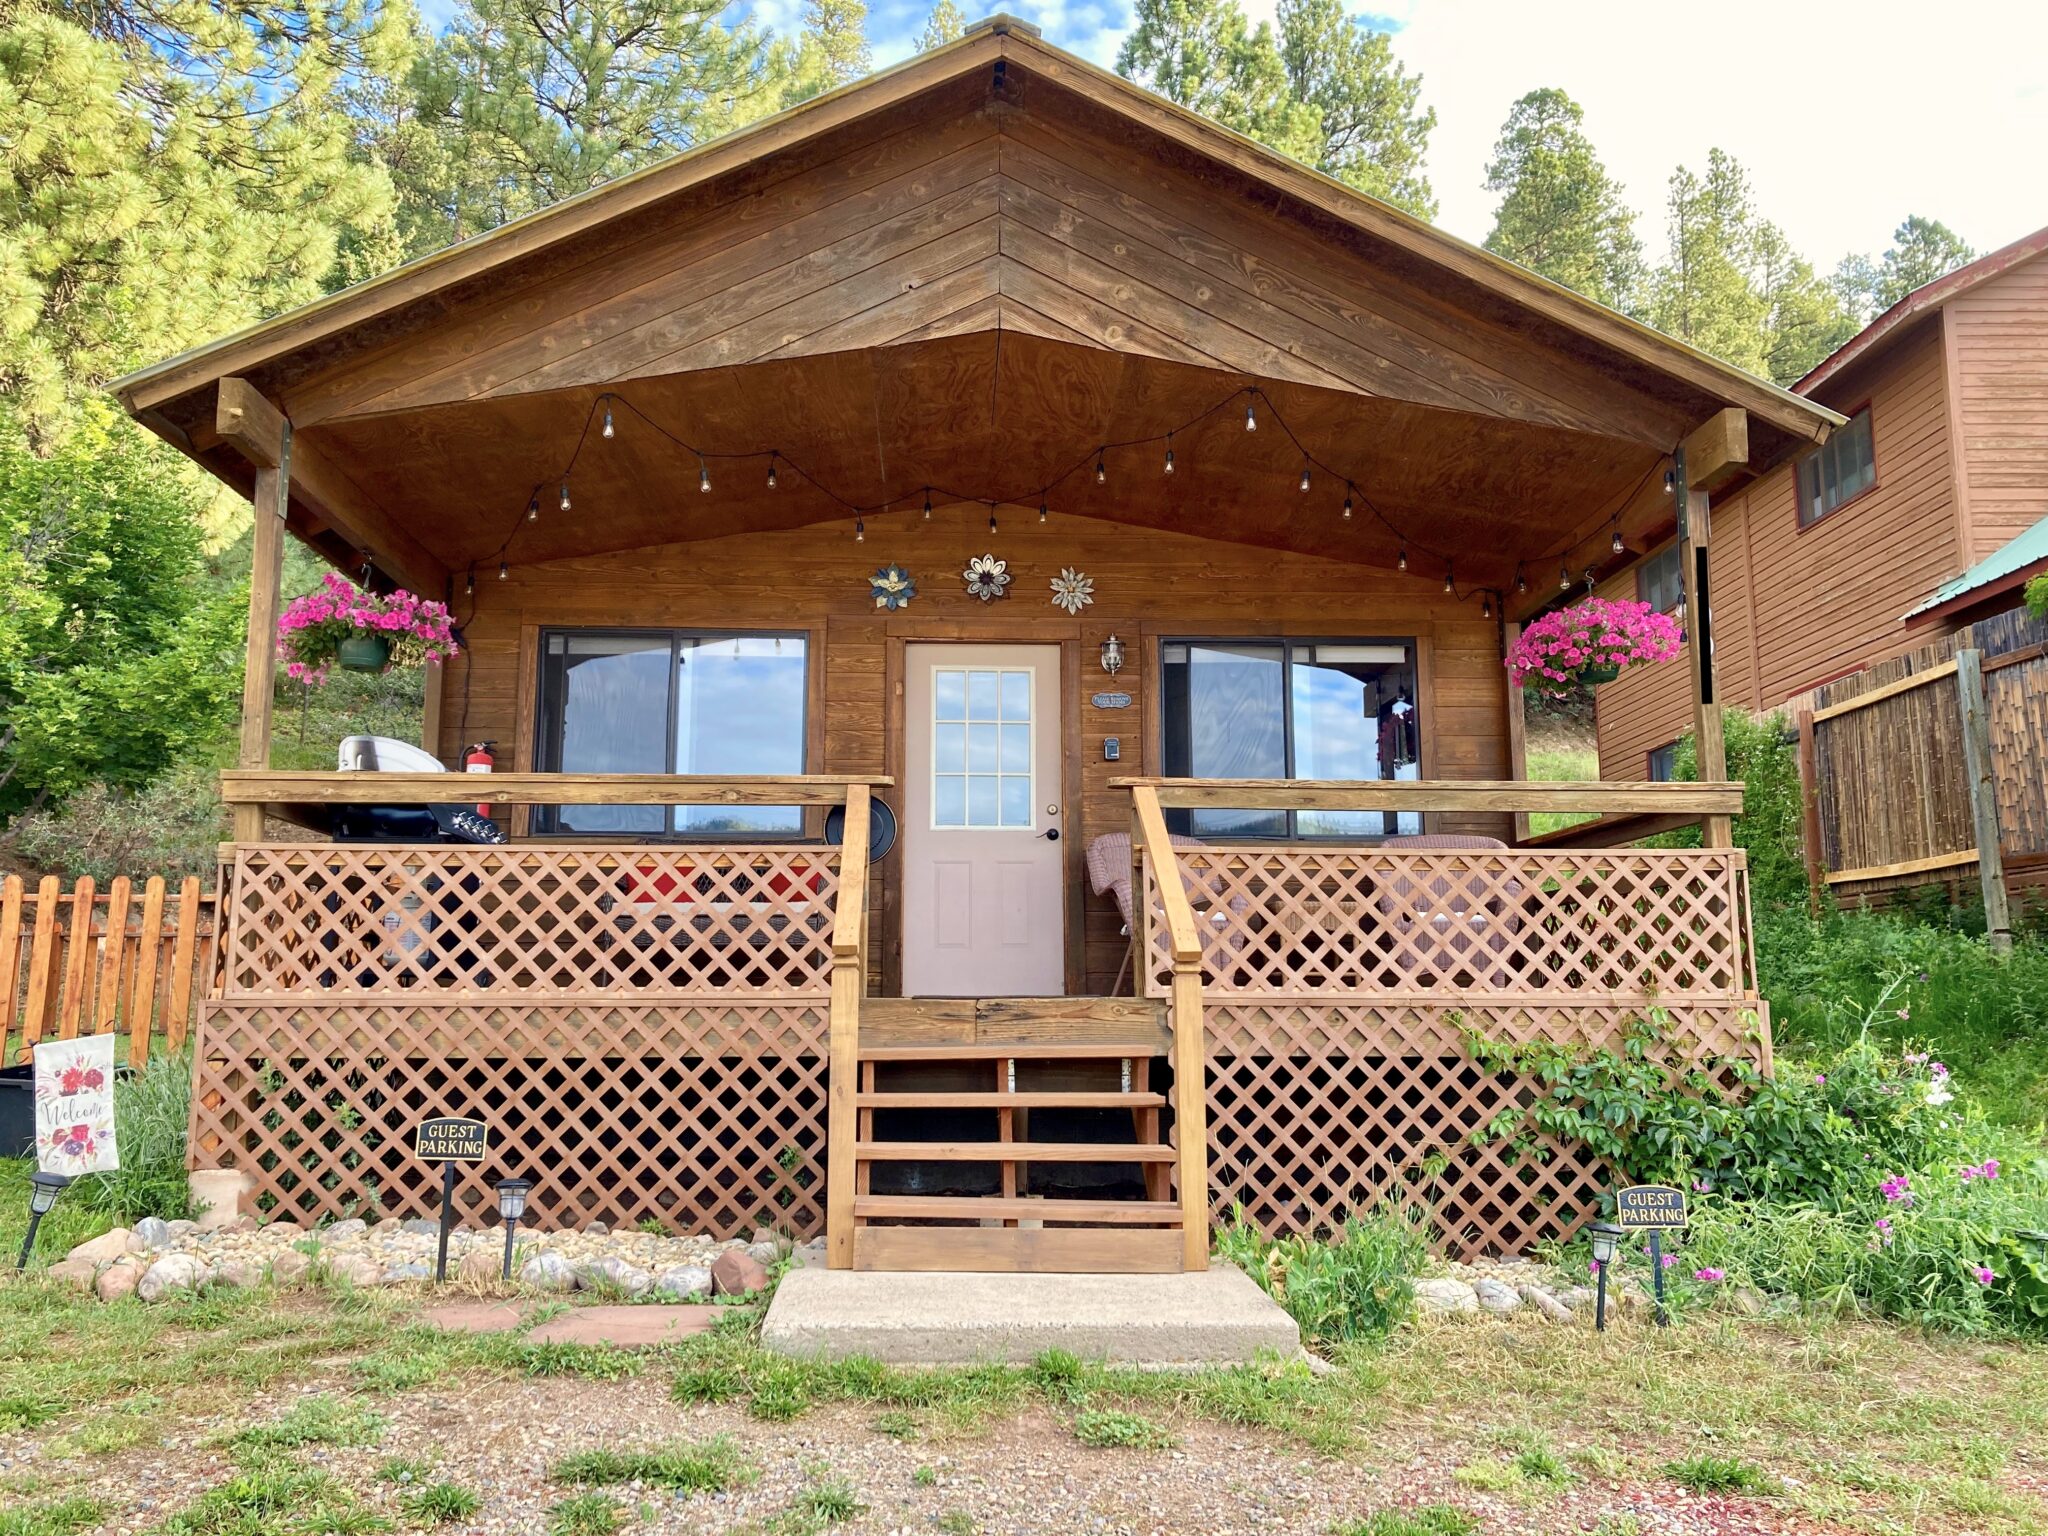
1422 1520
1769 830
1324 88
1114 1429
945 24
1359 1285
1921 251
584 1514
54 1517
272 1500
439 1503
711 1466
1708 1473
828 1502
112 660
313 1421
173 826
2037 597
1560 213
1821 1134
151 1108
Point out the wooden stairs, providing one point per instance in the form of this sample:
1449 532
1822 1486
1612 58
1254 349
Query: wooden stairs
950 1086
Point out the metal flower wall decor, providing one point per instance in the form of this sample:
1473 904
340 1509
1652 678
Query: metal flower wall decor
1071 590
987 578
892 588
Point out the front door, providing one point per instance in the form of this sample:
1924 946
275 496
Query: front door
983 904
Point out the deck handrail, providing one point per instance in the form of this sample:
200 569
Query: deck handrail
1618 796
264 786
1190 1046
849 983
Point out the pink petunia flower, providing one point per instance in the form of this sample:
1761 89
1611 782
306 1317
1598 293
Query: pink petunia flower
1710 1275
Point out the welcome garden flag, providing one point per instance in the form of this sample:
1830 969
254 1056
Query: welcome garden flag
75 1106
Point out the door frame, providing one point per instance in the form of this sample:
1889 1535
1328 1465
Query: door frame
903 633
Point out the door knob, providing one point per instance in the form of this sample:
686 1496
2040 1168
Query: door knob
1051 834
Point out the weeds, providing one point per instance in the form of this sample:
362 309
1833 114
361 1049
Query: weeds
711 1466
1707 1473
1112 1428
313 1421
439 1503
1358 1286
584 1514
59 1517
1423 1520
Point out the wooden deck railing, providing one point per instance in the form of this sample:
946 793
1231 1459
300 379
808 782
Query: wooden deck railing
133 959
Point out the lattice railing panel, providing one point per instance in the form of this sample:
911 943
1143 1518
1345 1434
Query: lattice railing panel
705 1116
1313 921
307 919
1318 1111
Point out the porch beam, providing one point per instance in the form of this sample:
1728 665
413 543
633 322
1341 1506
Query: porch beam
255 787
1715 450
261 433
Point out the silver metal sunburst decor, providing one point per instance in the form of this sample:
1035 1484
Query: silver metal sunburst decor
1071 590
987 578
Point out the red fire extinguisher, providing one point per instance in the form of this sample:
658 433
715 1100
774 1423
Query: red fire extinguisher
478 759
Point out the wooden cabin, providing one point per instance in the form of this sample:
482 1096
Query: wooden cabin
1152 858
1927 512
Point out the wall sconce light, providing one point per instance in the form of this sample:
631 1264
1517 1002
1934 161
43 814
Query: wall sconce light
512 1206
43 1189
1112 655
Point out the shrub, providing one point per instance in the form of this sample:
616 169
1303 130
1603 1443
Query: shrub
172 827
1770 828
1359 1285
150 1109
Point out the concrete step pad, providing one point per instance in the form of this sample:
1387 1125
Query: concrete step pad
944 1318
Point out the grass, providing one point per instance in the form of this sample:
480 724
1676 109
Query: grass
56 1517
279 1499
1423 1520
1561 756
585 1514
439 1503
1112 1428
1707 1473
314 1421
710 1466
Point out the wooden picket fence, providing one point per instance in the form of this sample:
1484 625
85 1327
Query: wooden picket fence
135 960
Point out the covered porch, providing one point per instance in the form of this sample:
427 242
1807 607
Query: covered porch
1271 472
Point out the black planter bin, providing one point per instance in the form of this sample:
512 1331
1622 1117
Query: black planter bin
17 1111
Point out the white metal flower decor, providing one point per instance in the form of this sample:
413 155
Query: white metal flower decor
1071 590
987 578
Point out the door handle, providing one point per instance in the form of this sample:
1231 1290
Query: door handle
1051 834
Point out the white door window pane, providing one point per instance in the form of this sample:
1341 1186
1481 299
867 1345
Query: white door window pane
981 800
949 800
949 748
949 695
1016 797
1016 695
981 748
989 737
1016 756
981 695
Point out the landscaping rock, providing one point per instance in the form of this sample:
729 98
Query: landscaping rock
1546 1304
548 1272
240 1273
765 1253
150 1233
616 1273
481 1266
419 1226
104 1249
737 1272
1745 1299
1576 1296
78 1274
597 1229
169 1275
684 1281
1436 1296
355 1269
1787 1305
289 1267
809 1255
1497 1296
398 1274
117 1282
342 1231
181 1228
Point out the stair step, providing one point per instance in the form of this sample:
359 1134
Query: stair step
1017 1050
990 1208
1022 1250
890 1021
1027 1100
1012 1152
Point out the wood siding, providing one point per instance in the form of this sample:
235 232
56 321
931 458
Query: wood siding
1148 585
1795 607
1998 339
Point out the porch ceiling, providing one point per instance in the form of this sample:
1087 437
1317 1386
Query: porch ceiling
995 413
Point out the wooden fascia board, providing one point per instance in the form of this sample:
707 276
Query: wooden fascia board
250 348
1800 417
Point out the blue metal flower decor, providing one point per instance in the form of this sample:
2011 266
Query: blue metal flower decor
892 588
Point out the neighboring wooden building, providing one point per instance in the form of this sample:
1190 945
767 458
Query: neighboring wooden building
661 444
1918 518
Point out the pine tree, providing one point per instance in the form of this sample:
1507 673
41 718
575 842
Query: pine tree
831 50
1922 250
1560 213
1204 55
945 24
1375 131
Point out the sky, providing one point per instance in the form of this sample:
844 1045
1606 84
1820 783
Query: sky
1847 117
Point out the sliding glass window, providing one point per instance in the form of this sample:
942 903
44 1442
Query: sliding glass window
1290 709
666 701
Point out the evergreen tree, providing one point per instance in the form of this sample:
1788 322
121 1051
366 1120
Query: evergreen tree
831 50
1560 213
171 171
1204 55
1375 131
1921 251
945 24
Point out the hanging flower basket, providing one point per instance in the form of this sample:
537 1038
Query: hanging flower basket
339 623
1590 643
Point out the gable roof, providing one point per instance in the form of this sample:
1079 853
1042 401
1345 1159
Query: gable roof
334 324
1924 300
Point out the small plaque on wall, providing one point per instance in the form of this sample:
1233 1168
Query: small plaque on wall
1112 701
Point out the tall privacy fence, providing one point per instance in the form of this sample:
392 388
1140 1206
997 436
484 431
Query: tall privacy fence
134 959
1926 769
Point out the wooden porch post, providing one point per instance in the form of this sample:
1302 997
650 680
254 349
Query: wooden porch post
1710 752
849 981
263 434
1518 725
1190 1052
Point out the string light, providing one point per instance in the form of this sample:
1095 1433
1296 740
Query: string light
703 475
1169 453
1564 577
1670 482
1401 560
1041 509
1521 579
927 503
1347 503
1619 547
469 582
991 519
1101 469
1251 413
1304 475
771 470
565 493
533 508
860 530
608 416
1485 606
1449 584
504 570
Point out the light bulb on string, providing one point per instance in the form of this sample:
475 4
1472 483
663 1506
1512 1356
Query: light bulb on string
608 417
533 508
1347 503
1521 580
1485 606
469 583
1304 475
771 470
703 475
1101 469
1449 584
1401 560
860 530
1618 546
927 503
1169 453
991 519
504 570
1670 482
1564 577
565 493
1251 413
1041 509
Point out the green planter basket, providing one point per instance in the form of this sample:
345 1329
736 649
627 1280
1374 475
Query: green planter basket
364 653
1593 677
